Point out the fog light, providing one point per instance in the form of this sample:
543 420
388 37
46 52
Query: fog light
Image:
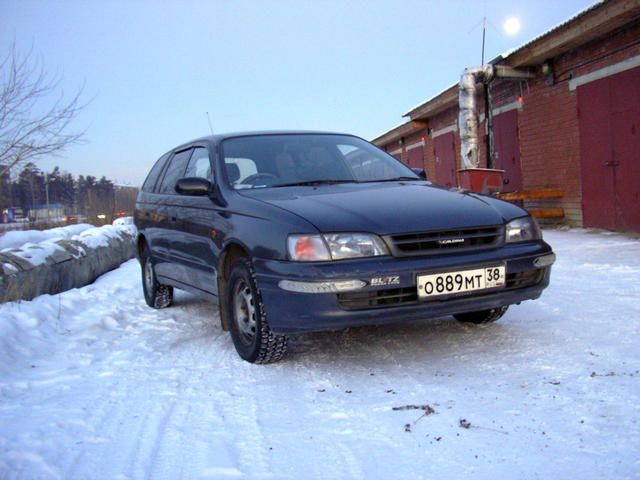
321 287
545 261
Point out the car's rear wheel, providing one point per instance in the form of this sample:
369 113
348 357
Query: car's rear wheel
483 316
253 339
155 294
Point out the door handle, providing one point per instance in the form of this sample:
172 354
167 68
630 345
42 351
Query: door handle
611 163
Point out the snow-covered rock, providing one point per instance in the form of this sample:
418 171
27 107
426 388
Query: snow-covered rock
57 264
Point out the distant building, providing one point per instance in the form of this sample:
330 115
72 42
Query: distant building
125 200
53 212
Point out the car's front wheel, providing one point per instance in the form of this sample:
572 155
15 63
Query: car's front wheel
253 339
484 316
155 294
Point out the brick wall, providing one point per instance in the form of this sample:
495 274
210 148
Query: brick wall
548 122
548 126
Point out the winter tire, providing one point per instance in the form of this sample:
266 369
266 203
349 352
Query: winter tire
253 339
483 316
155 294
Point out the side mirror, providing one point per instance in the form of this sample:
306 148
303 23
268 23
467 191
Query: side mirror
420 172
193 186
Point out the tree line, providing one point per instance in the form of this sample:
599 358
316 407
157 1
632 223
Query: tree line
85 195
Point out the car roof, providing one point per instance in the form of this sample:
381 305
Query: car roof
219 137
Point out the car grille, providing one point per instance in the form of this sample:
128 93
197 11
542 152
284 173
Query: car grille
404 296
377 298
445 241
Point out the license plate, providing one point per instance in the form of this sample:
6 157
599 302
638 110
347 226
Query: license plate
450 283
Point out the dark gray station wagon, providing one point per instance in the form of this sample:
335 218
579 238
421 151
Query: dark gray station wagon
294 232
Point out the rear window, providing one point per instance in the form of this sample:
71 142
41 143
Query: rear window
152 178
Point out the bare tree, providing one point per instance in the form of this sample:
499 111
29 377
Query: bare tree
34 115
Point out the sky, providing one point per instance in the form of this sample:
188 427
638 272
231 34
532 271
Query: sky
152 69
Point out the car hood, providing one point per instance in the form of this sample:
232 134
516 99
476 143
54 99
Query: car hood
386 208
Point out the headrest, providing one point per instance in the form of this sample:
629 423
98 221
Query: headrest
233 172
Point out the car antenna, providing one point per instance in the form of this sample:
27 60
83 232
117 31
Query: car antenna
209 122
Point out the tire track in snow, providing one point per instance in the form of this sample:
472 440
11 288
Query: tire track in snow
241 416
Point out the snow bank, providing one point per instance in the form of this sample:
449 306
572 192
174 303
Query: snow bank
17 238
100 236
123 221
58 264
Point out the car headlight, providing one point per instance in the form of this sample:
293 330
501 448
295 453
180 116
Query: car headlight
334 246
307 248
523 229
352 245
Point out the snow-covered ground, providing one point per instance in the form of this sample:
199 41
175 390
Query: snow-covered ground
93 384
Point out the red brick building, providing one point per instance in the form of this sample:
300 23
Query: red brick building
570 133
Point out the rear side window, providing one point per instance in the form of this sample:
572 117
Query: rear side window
175 171
199 165
152 178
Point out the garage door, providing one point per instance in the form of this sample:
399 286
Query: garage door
415 156
609 116
507 149
445 160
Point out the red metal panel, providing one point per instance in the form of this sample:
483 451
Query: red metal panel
507 149
626 156
415 157
625 123
598 192
445 160
610 151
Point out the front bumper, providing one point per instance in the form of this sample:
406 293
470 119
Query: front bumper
290 312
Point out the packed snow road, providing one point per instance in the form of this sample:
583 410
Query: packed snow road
94 384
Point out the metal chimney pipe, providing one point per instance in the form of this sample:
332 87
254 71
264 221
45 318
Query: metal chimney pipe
468 116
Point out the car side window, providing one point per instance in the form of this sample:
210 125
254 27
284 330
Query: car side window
175 171
199 164
150 183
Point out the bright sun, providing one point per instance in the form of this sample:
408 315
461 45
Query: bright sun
511 26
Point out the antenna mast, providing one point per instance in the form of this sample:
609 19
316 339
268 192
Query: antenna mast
209 122
484 29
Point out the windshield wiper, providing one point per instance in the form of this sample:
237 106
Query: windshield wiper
394 179
313 183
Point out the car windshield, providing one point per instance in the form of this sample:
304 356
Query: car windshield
307 159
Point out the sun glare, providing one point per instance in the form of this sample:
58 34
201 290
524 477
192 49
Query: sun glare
511 26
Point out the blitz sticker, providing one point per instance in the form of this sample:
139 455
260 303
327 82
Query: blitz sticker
384 281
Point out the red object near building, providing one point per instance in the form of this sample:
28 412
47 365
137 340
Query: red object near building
481 180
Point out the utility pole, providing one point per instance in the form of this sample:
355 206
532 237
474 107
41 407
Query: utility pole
46 195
